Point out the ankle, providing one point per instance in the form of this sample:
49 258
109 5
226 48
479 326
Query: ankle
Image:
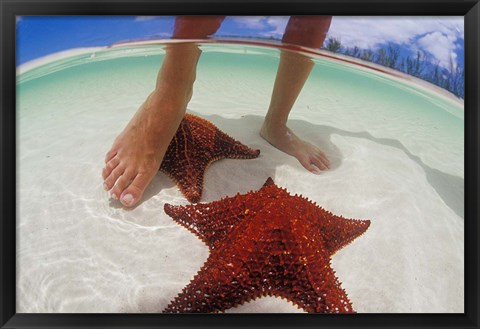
274 127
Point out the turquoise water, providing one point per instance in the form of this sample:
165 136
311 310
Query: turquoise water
343 90
397 154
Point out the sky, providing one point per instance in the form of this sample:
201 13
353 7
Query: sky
440 39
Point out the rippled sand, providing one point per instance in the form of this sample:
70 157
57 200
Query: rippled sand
396 150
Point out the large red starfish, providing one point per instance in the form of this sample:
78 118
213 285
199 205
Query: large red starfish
265 243
196 144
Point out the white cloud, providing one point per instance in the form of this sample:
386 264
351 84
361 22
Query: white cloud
161 35
441 47
268 25
435 35
250 22
144 18
278 23
369 32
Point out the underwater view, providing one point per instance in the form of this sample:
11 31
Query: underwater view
389 210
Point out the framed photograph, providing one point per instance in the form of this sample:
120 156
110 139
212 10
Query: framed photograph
226 164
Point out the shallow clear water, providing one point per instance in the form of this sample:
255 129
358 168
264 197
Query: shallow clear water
397 159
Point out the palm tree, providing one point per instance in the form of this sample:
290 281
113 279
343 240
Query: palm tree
333 45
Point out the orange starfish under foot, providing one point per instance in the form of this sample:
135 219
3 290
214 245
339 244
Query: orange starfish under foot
196 144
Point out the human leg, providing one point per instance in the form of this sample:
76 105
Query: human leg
138 151
293 71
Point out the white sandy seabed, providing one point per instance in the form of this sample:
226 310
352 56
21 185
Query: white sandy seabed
80 251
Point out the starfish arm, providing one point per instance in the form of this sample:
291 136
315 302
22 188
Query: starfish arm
316 292
215 143
338 231
329 296
239 272
268 182
228 147
233 274
186 159
190 182
216 288
211 222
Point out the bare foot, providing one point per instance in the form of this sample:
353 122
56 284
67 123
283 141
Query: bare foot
310 156
138 151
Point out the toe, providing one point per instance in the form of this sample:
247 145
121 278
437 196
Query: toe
309 165
321 161
314 169
123 181
110 154
112 178
133 193
109 166
325 159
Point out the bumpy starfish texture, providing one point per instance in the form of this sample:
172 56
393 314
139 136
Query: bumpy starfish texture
265 243
196 144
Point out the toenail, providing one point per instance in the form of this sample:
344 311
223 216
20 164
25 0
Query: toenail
315 170
127 198
114 196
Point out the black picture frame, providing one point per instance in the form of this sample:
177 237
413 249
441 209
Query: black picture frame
470 9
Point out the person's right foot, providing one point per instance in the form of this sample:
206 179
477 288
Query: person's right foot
310 156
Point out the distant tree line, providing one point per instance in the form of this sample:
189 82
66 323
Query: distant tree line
389 56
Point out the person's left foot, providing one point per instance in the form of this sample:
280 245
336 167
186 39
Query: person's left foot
310 156
138 151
